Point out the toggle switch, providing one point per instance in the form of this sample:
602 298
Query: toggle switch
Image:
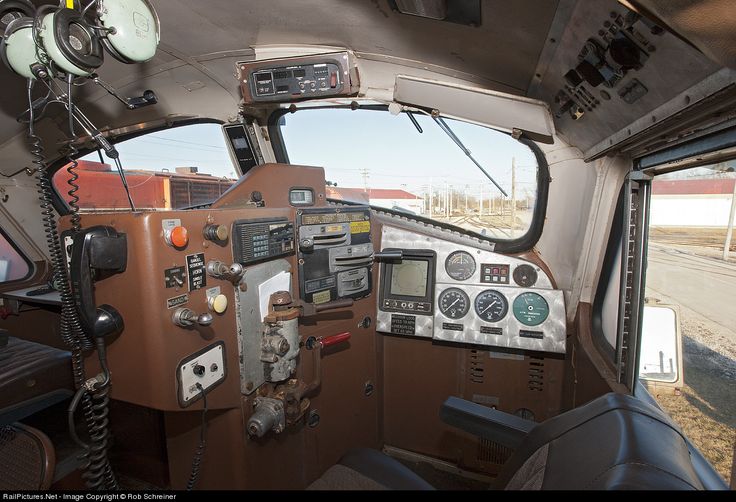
185 318
177 237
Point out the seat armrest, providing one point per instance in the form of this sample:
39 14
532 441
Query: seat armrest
501 427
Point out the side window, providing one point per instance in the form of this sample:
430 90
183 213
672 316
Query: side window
13 266
691 267
168 169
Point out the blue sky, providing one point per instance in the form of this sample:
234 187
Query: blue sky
392 150
347 142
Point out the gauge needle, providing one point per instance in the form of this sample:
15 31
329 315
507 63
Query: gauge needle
489 306
452 304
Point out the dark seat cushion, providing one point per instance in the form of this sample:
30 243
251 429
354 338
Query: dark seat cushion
29 371
365 469
614 442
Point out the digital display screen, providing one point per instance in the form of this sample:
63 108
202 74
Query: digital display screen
409 278
240 143
303 197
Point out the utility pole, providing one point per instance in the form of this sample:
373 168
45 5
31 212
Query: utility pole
447 198
480 212
366 173
430 198
466 199
451 202
729 231
513 196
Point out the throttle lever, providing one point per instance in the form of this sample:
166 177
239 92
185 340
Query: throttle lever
389 255
311 309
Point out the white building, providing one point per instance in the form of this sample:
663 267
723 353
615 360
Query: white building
382 197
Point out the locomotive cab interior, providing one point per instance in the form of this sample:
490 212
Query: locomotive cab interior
328 245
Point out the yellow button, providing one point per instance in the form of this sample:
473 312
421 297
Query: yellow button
218 303
222 232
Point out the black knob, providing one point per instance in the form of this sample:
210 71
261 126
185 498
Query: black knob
199 370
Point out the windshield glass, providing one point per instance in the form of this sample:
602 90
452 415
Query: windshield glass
374 157
167 169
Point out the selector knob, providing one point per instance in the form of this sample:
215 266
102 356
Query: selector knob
216 232
217 303
199 370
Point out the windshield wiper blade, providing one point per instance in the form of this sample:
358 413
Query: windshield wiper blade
446 128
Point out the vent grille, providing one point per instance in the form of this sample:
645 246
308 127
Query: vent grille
536 374
493 452
476 367
185 193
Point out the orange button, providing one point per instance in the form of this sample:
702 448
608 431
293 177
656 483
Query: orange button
178 237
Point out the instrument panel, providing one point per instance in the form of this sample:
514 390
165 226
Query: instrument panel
478 297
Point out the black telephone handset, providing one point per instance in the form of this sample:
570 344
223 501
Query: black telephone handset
96 252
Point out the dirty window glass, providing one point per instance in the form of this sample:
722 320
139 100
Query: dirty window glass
374 157
168 169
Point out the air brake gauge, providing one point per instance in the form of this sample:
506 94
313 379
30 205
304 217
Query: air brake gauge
454 303
491 306
530 309
460 265
525 276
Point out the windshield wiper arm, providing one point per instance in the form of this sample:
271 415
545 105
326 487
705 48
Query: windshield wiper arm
446 128
414 121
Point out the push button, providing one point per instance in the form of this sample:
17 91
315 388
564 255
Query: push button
333 80
177 237
218 303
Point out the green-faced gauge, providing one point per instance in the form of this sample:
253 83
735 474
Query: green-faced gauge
530 309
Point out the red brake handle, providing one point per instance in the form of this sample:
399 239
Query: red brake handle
329 341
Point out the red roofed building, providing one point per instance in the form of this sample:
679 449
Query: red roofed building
692 202
390 198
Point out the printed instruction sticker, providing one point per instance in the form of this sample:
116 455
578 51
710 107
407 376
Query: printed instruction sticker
360 227
195 266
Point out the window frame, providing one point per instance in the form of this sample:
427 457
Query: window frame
606 276
60 204
524 243
30 264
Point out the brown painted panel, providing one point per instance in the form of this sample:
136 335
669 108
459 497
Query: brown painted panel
144 358
419 375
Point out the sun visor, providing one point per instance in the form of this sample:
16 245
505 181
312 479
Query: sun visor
495 109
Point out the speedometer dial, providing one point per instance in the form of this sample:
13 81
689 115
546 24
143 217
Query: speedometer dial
491 306
454 303
460 265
